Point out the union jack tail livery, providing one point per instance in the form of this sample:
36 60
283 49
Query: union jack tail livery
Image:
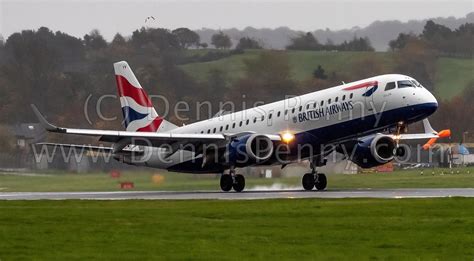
138 111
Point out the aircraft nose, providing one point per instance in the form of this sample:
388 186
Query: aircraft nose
430 104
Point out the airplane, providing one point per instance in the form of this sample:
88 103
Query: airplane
367 118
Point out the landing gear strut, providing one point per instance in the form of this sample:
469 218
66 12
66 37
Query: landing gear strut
232 180
314 180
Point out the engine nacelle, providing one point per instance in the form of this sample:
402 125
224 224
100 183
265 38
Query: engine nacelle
249 149
374 151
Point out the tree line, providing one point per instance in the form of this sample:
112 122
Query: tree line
440 39
309 42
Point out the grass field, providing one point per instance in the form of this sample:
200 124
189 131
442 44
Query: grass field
452 74
428 178
292 229
302 63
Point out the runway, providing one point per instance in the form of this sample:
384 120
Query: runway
246 195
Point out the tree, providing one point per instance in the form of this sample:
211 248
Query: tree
319 73
155 38
94 40
418 60
221 40
357 44
304 42
401 41
433 31
118 40
248 43
186 37
32 72
267 78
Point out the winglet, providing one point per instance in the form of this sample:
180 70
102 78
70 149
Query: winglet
48 126
427 127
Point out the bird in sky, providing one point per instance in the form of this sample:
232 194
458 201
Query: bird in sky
149 18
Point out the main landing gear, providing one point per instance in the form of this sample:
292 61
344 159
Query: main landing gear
314 180
232 180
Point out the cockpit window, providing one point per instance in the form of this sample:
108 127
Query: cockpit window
405 84
390 86
417 84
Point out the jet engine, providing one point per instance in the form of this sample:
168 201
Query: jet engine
249 149
373 151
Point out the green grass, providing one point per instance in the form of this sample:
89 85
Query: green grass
290 229
233 66
430 178
452 76
303 63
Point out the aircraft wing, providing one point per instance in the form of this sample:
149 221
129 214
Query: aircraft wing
415 136
74 146
429 133
154 139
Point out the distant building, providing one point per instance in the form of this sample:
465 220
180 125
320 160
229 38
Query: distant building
27 134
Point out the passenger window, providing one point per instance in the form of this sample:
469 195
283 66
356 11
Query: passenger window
286 112
278 114
315 104
227 127
344 97
209 131
293 110
270 116
352 95
307 106
405 84
263 118
247 123
329 101
390 86
233 125
337 98
301 108
254 120
202 132
214 130
222 127
322 103
240 124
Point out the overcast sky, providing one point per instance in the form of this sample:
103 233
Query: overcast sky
80 17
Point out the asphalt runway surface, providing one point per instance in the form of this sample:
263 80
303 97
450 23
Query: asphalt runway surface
246 195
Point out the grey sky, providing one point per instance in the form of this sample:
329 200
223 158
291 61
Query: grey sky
80 17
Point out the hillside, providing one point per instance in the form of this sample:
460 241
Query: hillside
452 74
379 32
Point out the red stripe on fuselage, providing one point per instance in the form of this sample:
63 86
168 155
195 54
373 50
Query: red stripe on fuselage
153 126
125 88
361 85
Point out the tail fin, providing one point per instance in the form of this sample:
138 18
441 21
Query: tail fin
138 111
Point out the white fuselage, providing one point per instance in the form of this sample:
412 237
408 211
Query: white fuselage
323 117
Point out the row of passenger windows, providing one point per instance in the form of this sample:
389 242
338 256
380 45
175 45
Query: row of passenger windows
402 84
279 113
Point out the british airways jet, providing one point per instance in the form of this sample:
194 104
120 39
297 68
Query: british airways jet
366 118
